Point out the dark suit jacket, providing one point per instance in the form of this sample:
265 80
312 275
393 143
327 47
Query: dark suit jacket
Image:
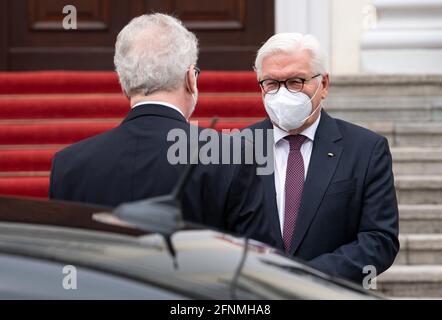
130 163
348 216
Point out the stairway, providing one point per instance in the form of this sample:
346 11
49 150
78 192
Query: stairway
408 111
42 112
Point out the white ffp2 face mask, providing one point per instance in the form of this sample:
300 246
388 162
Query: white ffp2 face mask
289 110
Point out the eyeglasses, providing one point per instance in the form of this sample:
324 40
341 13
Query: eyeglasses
197 71
294 85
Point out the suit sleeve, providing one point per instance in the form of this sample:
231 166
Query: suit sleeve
245 208
377 240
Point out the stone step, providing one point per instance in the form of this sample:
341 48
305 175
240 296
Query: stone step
420 219
419 189
415 281
383 128
387 98
418 134
385 108
365 86
416 161
420 249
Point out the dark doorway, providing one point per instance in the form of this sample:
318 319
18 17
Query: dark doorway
32 35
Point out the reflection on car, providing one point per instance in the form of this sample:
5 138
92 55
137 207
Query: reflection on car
112 260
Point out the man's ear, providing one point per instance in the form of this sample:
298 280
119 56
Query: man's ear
191 79
325 85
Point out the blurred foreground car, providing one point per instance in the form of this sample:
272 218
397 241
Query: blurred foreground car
39 240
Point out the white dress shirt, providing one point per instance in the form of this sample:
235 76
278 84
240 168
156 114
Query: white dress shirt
159 102
281 151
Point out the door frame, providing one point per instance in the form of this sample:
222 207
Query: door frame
4 22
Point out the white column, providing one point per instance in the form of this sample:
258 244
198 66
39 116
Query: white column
348 20
304 16
406 39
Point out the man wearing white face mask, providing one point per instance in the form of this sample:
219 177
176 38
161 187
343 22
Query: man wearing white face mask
331 199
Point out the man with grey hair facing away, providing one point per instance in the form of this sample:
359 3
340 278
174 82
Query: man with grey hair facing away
331 199
156 60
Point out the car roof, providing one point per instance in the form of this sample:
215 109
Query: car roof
206 262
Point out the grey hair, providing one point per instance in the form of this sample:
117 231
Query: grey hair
153 53
292 43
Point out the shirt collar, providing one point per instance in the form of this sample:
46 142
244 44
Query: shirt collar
309 132
161 103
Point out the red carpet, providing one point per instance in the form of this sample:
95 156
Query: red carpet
25 186
117 106
107 82
26 160
42 112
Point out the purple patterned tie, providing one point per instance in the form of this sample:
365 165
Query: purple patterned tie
294 185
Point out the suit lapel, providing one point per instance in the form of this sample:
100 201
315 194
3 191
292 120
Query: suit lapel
320 172
268 181
272 209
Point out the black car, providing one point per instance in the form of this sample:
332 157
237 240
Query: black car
62 250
